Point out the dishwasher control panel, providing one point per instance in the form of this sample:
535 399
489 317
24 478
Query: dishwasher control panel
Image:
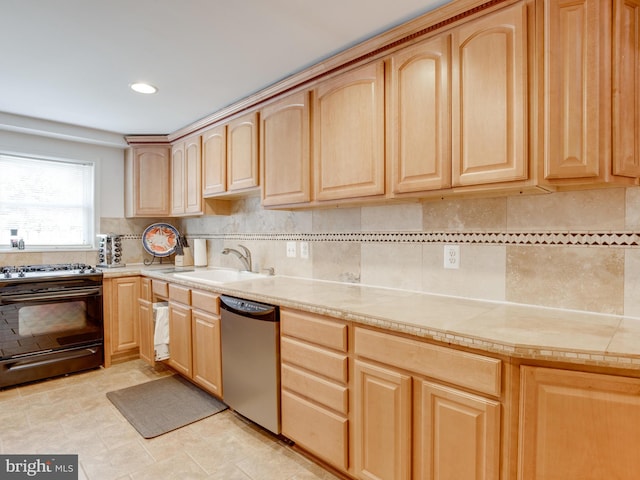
246 306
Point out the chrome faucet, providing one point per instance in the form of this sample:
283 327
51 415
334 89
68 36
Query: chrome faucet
245 257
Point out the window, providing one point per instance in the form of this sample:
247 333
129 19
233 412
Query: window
49 202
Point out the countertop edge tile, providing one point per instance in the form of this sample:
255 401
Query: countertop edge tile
585 338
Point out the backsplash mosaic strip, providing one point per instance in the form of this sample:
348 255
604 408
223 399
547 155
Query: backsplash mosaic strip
592 239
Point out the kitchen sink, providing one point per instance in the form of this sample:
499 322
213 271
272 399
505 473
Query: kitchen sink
218 276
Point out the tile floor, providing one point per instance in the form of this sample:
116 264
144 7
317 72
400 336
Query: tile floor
72 415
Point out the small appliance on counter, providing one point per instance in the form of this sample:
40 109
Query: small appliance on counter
110 250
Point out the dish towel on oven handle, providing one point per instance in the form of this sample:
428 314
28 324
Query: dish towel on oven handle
161 330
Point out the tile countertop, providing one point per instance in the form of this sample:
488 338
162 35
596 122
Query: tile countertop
514 330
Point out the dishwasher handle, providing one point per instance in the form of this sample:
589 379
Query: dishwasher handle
248 308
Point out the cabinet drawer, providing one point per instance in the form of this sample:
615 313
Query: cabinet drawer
206 301
315 329
179 294
160 288
469 370
329 364
322 391
323 433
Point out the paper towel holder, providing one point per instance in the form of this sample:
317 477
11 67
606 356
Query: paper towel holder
200 252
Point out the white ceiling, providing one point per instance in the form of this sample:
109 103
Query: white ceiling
72 61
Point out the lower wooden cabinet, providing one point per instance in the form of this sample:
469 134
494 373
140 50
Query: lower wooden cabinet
314 376
194 336
121 318
145 317
380 406
319 430
382 423
577 425
180 338
145 312
409 425
206 352
457 434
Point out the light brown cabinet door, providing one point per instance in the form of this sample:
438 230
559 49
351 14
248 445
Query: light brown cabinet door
214 161
193 176
577 92
421 116
457 434
242 153
145 314
186 177
207 352
348 124
125 292
489 98
285 151
180 338
626 89
147 181
382 422
177 179
577 425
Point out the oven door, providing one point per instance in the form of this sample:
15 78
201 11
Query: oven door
49 328
37 319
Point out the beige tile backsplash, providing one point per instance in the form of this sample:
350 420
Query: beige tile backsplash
590 210
593 278
580 278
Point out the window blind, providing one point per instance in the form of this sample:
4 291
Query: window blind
49 202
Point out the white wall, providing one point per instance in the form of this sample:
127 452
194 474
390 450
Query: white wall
109 162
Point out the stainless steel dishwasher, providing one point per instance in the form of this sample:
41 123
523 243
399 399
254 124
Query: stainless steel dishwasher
251 360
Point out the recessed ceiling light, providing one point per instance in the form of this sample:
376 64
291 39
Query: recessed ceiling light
143 88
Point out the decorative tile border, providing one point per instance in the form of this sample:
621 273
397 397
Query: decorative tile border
592 239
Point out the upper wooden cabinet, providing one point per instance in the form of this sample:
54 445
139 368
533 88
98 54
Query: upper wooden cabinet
242 153
626 90
147 181
489 92
420 116
230 157
475 97
348 125
285 151
588 142
193 176
214 161
186 178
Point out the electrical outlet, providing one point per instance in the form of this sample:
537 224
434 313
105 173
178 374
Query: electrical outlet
291 250
304 249
452 256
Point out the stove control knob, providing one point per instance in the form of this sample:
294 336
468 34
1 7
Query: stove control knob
7 274
21 274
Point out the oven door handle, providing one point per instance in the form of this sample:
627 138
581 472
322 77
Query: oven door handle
62 294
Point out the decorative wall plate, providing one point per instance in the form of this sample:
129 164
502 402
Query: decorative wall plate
160 239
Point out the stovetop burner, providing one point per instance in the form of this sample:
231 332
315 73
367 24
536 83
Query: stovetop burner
52 269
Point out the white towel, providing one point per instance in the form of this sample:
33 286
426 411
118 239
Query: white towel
161 331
